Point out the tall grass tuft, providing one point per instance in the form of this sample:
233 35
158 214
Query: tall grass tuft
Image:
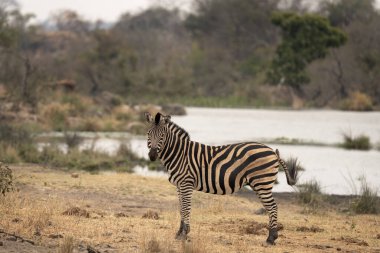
67 245
360 142
310 193
367 202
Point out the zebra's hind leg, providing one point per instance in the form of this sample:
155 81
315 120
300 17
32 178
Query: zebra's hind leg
264 192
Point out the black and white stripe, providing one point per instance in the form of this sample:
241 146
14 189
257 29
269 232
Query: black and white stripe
213 169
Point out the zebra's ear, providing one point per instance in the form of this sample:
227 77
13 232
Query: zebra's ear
166 119
148 117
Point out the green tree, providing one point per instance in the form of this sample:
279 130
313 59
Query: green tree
305 39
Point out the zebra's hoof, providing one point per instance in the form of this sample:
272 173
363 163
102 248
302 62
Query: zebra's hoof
273 235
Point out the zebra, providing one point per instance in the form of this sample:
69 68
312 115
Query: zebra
214 169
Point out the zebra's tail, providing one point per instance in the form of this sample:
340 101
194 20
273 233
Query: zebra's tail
291 170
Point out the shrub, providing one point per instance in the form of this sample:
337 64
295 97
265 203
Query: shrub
77 104
9 154
310 193
123 112
6 179
357 101
72 140
13 134
91 125
88 160
16 144
367 202
28 152
360 142
56 115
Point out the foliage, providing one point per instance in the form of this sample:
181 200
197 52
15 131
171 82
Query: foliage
367 202
360 142
305 39
222 54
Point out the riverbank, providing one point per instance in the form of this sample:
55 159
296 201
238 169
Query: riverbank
121 212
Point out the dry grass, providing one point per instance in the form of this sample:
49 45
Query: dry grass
219 223
67 245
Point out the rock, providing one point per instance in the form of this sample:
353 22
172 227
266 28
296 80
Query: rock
1 243
261 211
11 238
174 109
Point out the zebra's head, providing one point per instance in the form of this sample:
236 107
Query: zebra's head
156 133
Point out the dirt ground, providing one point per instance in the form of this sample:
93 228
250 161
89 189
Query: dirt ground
57 211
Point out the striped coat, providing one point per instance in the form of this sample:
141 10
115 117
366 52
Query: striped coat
214 169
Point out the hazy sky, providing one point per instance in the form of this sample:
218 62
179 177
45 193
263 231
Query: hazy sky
108 10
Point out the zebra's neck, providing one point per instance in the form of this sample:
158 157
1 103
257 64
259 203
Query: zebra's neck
175 145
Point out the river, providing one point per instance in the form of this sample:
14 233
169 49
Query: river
336 169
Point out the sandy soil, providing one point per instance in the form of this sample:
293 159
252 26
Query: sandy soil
56 211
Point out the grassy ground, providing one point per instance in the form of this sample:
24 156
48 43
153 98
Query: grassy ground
121 212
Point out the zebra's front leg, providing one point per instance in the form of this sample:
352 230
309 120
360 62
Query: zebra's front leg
184 195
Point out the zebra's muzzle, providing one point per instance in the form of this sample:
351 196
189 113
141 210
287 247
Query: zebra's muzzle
153 154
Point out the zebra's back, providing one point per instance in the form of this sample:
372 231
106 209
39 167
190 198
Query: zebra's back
226 169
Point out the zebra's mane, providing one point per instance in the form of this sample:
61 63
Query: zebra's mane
183 131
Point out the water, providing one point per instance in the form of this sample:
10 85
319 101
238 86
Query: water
232 125
337 170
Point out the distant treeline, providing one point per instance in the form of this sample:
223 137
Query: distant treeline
243 52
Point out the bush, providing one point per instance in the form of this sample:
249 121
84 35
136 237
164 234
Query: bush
89 160
357 101
310 193
56 116
76 102
16 144
72 140
91 125
6 179
9 154
360 142
14 135
368 202
28 152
